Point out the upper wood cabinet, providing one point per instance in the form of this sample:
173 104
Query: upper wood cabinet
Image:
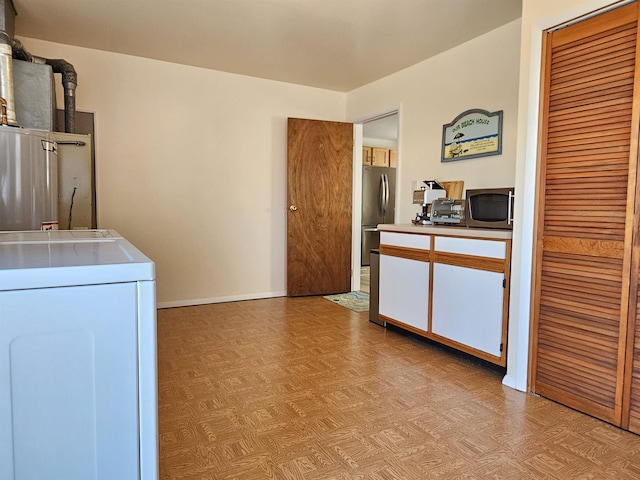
366 155
379 157
393 158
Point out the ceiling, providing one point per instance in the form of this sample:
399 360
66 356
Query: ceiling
332 44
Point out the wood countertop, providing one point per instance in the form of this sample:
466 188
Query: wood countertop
446 230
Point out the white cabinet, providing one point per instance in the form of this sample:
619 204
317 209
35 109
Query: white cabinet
77 358
404 280
465 277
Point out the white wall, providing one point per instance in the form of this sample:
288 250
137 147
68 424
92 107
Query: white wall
482 73
191 167
537 16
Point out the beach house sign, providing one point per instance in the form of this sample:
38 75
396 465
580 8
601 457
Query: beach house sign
474 133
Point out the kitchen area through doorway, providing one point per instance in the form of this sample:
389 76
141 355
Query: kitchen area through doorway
379 161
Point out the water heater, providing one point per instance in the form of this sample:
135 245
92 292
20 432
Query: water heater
28 179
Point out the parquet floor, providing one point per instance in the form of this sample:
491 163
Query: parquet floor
305 389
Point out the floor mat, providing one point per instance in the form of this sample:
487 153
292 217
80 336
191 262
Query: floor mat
356 301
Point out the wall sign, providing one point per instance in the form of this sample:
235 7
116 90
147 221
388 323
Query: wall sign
474 133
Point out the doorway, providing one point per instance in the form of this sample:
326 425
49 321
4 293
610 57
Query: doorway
378 175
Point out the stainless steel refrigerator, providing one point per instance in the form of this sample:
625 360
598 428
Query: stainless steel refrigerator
378 205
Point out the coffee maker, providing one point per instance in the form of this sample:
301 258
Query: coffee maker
430 191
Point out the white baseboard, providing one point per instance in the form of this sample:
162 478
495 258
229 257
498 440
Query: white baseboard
231 298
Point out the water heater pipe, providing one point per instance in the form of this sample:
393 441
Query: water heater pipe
6 79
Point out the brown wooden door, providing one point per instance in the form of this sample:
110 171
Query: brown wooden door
319 192
585 214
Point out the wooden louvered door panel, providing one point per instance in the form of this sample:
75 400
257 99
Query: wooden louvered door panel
585 214
632 392
631 401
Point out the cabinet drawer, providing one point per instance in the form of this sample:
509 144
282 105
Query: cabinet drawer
471 246
405 240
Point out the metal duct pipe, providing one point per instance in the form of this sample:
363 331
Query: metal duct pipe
69 81
6 79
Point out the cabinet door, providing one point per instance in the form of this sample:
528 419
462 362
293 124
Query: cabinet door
68 383
380 157
404 291
469 291
393 158
468 307
404 279
366 156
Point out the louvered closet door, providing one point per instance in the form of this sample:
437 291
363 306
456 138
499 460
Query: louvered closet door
583 230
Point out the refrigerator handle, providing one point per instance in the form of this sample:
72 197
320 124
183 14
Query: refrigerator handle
385 195
386 203
388 191
381 203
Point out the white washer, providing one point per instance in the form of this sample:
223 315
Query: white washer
78 388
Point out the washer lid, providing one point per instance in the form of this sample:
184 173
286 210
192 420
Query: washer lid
37 259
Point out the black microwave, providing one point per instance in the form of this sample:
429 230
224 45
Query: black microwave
490 208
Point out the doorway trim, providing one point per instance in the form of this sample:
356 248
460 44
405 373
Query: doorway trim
356 236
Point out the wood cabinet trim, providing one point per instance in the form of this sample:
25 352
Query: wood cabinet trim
470 261
406 252
501 361
471 237
406 233
404 326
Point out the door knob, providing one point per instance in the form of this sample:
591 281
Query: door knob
293 208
